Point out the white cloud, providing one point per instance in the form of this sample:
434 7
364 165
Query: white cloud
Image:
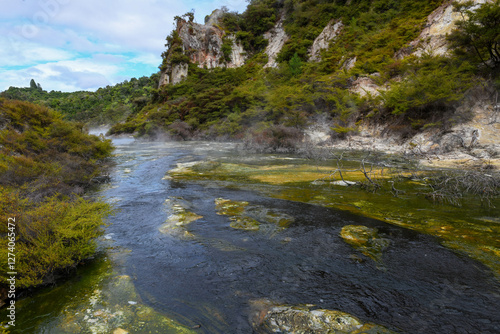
14 52
66 75
147 58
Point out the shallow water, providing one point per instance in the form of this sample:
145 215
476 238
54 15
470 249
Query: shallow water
209 276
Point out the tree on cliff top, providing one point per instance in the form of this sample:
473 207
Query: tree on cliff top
478 33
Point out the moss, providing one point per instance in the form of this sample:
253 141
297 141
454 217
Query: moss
228 207
244 223
246 216
365 239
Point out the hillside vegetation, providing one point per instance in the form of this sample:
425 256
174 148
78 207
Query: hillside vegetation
107 105
273 106
46 164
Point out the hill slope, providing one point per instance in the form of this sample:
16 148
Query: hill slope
340 66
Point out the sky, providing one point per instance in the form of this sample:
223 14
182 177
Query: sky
71 45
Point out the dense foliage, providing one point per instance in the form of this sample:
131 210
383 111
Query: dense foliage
107 105
478 35
45 165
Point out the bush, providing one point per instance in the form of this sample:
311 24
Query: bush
428 82
45 164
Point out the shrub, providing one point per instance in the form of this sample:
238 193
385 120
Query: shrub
45 164
428 82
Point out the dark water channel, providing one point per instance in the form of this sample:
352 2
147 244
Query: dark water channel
213 278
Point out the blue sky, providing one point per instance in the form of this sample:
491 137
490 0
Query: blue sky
71 45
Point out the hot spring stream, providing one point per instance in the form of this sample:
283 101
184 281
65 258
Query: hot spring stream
201 256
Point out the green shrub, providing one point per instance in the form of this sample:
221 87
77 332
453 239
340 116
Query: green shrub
428 82
45 164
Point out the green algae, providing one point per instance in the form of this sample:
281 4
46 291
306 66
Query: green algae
228 207
180 217
472 228
245 223
99 299
250 217
365 239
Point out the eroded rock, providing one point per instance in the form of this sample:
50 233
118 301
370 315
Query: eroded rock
432 39
277 38
202 44
329 33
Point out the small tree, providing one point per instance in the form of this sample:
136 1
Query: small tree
33 84
478 33
295 64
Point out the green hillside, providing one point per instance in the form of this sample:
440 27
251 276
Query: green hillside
272 106
107 105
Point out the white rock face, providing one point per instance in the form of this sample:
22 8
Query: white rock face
277 38
238 55
214 18
164 79
364 86
203 44
349 63
179 72
330 32
432 39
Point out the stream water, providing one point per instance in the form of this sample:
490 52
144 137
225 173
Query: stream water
210 278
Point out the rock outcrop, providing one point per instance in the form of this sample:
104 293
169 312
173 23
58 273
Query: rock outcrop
432 39
276 37
365 239
202 44
329 33
365 85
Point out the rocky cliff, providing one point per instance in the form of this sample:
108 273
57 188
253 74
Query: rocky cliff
276 38
472 124
203 45
331 31
432 39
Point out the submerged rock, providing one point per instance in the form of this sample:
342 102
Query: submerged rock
252 217
180 217
228 207
244 223
107 310
268 317
365 239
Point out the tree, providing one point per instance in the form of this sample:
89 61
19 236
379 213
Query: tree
33 84
478 33
295 64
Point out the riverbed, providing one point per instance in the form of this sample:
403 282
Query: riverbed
194 250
